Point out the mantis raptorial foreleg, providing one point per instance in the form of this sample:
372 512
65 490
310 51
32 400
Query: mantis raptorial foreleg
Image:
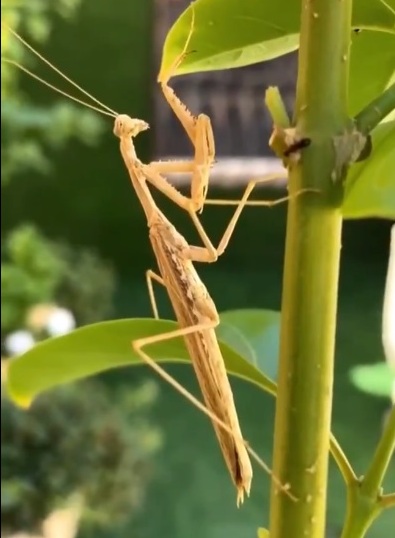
199 131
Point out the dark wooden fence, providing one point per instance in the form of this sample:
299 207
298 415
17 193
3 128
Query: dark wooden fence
232 98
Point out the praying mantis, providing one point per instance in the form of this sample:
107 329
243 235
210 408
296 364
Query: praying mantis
195 310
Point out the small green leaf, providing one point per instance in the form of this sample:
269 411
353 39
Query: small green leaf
372 68
102 346
370 184
276 107
376 379
231 33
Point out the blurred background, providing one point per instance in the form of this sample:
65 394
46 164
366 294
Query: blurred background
74 244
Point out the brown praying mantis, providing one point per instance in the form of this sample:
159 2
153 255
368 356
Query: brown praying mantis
195 310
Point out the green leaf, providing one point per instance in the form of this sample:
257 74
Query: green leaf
231 33
255 334
370 184
102 346
372 68
376 379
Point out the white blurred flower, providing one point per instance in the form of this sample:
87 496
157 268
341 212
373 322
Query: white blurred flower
61 321
388 334
19 342
38 315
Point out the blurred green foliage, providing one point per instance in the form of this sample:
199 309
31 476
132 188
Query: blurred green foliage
29 130
85 197
36 270
29 275
376 379
75 440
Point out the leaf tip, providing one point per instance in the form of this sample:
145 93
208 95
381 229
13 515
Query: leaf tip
20 400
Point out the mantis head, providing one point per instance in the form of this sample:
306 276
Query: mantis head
126 126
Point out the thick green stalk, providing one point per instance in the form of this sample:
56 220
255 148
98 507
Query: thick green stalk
311 275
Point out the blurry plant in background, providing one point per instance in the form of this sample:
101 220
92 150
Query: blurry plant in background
27 129
35 271
77 439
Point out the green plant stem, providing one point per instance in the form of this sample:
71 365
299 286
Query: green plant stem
388 501
364 499
376 111
343 464
304 404
372 481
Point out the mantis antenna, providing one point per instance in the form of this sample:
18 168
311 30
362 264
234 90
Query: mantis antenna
104 107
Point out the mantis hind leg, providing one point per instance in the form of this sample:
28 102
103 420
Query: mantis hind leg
150 276
138 346
245 202
209 253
